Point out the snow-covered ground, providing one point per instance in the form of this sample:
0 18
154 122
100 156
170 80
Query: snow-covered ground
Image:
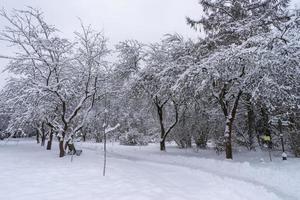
29 172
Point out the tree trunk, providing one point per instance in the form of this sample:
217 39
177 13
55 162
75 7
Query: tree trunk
84 137
104 158
66 145
37 136
228 136
163 132
49 144
228 127
162 128
43 134
43 139
163 145
265 118
61 148
251 123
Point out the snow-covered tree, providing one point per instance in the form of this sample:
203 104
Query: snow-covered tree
47 65
238 37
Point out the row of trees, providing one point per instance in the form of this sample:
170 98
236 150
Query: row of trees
57 81
231 86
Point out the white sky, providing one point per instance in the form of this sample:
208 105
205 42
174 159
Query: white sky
144 20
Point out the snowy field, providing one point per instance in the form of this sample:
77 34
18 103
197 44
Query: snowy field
29 172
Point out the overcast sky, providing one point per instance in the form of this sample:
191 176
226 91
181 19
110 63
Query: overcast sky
144 20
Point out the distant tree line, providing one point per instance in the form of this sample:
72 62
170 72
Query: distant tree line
237 86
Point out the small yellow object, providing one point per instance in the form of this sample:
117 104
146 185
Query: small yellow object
266 138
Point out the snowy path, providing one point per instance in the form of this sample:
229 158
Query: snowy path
198 169
29 172
277 180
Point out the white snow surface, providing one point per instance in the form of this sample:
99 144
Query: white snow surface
29 172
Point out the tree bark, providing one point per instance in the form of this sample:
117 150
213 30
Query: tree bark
49 144
159 109
162 145
84 137
228 138
37 136
43 139
162 128
228 127
104 158
61 148
163 132
265 119
251 124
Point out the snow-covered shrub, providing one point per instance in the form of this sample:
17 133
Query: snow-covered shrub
201 139
133 137
219 145
182 137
